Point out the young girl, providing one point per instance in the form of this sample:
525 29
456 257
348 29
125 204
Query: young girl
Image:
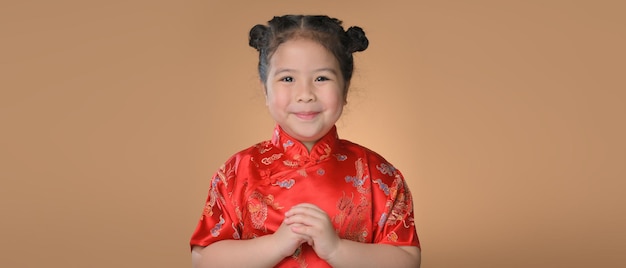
306 198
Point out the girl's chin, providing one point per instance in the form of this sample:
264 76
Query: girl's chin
306 136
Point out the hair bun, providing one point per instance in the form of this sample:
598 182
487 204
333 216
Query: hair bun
358 40
258 37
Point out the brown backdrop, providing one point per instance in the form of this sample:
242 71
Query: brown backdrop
507 119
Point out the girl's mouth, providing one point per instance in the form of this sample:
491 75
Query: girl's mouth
307 115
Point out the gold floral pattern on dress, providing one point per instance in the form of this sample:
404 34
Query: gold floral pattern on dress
258 206
360 178
269 160
290 163
402 205
327 151
351 219
224 174
263 147
345 206
236 234
392 237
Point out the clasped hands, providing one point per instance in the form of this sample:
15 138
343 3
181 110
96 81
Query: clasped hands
307 223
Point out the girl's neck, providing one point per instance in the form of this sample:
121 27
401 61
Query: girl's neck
309 145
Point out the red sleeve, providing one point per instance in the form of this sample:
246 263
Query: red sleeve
395 223
219 220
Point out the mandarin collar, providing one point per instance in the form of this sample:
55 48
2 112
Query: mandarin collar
297 152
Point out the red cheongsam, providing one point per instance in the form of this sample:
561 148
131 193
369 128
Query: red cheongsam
366 198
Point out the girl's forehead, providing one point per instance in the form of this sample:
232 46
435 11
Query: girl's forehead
303 56
302 47
300 41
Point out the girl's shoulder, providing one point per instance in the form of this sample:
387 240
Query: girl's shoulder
251 154
361 151
375 161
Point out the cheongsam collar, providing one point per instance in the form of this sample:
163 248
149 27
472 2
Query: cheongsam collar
297 153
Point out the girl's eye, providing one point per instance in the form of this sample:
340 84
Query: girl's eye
287 79
321 78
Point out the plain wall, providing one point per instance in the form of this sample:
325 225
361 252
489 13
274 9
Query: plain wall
507 119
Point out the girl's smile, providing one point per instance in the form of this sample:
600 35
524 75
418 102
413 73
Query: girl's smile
307 115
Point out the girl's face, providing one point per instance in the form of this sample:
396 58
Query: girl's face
304 89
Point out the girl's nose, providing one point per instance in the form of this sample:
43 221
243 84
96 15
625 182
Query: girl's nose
306 93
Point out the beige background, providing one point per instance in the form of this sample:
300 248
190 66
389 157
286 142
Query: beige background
506 117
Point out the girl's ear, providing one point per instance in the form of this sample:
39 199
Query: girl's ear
345 93
264 88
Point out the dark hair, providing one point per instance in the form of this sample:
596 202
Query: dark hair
323 29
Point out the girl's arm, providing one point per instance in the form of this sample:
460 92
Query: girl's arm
354 254
256 252
260 252
263 251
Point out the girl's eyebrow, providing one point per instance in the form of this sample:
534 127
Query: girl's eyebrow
287 70
332 70
284 70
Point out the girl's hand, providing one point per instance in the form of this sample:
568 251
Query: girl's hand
287 241
311 221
